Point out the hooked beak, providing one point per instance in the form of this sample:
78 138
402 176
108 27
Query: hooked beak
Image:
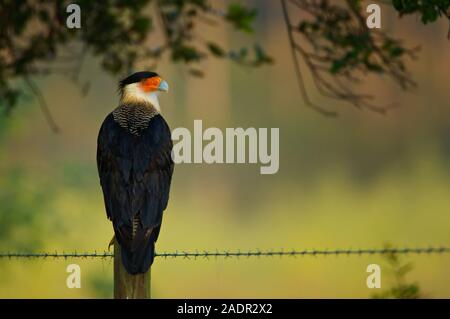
163 86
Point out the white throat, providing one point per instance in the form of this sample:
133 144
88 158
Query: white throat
132 93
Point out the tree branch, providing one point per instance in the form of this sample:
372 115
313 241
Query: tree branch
42 103
300 81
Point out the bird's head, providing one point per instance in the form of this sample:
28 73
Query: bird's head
142 87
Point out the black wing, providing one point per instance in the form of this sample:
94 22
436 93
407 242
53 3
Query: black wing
135 174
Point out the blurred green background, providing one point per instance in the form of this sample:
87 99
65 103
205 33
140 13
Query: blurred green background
359 180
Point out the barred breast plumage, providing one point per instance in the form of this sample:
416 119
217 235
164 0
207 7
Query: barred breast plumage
134 117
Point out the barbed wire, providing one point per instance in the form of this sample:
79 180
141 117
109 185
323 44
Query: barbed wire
237 254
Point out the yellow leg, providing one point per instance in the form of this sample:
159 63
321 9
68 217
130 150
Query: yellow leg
111 243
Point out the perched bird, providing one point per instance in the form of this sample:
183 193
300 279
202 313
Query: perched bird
135 168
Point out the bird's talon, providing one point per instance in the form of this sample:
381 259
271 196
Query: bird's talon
111 243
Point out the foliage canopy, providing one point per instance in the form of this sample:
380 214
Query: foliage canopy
336 45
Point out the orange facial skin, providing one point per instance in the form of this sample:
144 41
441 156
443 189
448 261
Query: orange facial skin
150 84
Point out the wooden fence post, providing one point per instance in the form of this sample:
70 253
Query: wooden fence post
128 286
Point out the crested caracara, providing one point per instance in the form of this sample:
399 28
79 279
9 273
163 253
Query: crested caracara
135 168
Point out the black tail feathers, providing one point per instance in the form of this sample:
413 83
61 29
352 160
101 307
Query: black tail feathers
139 260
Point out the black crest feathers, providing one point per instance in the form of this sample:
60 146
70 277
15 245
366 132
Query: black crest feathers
136 77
